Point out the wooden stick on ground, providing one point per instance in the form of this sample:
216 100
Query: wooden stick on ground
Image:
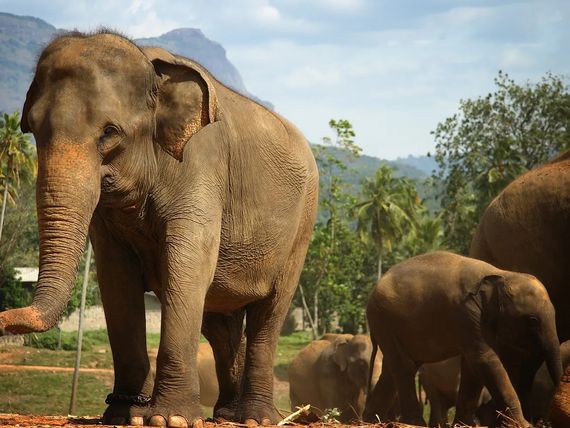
293 415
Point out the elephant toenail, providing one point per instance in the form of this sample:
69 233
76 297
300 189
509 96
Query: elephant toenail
117 421
157 421
137 421
266 422
251 423
198 423
177 422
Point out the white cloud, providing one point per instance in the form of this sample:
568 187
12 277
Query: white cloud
342 5
515 57
140 5
310 77
267 14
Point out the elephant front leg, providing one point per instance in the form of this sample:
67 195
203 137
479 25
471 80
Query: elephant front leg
122 294
488 367
189 260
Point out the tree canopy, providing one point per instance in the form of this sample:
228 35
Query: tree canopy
493 139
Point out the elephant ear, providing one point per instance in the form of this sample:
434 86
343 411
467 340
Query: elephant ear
340 355
500 285
187 102
30 96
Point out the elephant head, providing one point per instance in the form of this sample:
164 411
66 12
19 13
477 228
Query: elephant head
352 356
100 109
518 317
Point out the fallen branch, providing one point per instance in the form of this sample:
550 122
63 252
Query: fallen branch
294 415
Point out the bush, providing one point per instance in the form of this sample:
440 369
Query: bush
12 293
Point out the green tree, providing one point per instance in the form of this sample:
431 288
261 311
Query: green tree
386 211
12 294
332 279
492 140
17 159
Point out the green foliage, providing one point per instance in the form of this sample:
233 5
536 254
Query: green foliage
350 236
331 416
387 211
491 141
18 157
12 294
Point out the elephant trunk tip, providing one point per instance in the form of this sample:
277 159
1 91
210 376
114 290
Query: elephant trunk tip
22 321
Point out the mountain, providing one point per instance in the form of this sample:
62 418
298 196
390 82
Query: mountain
23 37
21 40
426 164
193 44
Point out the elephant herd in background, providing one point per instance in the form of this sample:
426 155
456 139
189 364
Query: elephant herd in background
191 190
484 331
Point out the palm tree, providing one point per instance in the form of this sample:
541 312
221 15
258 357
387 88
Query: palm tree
17 159
388 209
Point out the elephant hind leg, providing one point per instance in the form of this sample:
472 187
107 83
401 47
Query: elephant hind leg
404 373
470 387
380 404
264 322
225 334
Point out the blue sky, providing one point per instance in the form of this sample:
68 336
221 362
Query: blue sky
393 68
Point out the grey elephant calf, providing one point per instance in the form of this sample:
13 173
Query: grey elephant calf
333 373
439 305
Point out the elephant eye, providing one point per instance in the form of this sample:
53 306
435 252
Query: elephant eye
109 131
107 140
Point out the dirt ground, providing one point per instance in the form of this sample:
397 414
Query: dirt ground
13 420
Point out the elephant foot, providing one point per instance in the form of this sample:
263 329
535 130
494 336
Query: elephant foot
125 409
226 413
254 414
187 417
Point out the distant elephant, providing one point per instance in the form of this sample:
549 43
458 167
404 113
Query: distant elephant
333 373
440 381
188 189
207 375
438 305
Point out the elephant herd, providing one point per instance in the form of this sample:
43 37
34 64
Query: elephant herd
190 190
484 331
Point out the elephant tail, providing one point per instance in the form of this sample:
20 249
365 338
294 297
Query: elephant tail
371 366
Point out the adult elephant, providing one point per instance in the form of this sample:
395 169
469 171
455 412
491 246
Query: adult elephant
525 229
439 305
187 189
333 373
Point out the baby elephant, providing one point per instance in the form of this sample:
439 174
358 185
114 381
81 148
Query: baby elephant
332 372
438 305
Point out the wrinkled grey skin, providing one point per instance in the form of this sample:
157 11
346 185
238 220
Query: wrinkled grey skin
439 305
332 373
186 188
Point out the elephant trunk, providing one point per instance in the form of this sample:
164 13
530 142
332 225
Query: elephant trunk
67 192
